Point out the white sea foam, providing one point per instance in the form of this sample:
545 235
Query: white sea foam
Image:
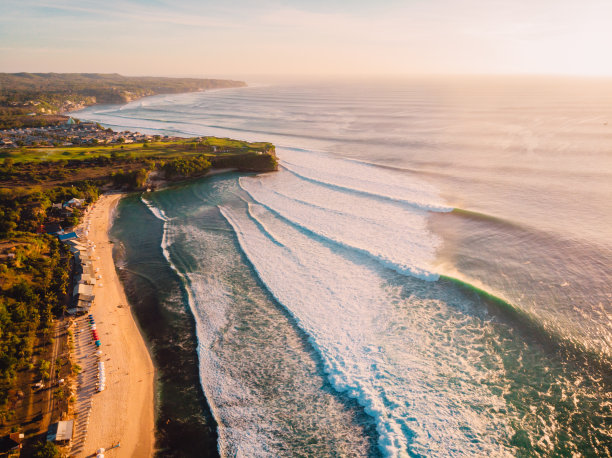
157 212
395 235
377 346
363 178
240 430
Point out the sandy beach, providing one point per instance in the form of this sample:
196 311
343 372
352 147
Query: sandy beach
124 412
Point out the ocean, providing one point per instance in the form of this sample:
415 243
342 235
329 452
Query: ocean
427 274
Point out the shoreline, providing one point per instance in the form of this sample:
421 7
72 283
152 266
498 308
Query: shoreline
124 412
69 113
184 423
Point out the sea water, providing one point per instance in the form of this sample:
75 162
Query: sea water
427 274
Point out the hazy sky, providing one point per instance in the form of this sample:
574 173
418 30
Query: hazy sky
307 37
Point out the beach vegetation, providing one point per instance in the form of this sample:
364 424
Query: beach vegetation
46 450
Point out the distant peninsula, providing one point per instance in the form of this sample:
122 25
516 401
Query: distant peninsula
40 99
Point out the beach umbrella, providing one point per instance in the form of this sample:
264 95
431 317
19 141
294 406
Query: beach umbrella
98 343
100 450
99 353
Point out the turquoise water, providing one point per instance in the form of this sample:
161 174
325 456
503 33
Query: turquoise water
427 274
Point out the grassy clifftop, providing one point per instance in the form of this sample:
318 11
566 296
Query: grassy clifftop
173 160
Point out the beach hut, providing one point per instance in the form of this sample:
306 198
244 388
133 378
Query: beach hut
61 431
10 443
68 236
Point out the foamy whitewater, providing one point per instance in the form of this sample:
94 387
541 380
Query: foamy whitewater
427 274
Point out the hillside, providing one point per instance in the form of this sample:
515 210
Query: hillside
35 99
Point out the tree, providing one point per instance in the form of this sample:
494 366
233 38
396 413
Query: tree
46 450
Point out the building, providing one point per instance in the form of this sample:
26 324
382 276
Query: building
64 237
61 432
10 444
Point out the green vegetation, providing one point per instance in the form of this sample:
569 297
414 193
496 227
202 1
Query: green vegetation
129 166
47 94
46 450
212 146
186 167
24 209
33 289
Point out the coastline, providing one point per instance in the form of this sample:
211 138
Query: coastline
124 412
184 424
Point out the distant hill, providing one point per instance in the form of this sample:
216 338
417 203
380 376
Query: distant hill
28 99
